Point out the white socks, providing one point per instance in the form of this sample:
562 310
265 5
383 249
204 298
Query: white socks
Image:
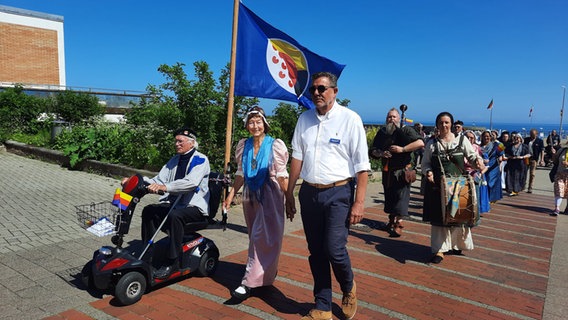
558 202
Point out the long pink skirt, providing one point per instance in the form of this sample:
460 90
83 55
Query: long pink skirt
265 224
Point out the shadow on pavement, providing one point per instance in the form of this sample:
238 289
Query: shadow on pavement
229 275
528 208
399 250
73 277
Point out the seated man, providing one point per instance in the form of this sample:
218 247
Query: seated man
186 174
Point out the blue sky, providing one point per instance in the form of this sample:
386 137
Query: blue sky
445 55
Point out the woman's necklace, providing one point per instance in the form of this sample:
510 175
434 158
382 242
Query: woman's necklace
255 148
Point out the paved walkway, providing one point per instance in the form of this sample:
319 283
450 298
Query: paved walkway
518 269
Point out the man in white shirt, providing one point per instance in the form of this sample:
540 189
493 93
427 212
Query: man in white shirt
330 155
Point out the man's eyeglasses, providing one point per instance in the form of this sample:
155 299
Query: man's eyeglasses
321 89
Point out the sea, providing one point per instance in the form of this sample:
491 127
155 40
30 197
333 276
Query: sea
522 128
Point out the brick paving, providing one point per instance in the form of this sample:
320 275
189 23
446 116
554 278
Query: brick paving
516 271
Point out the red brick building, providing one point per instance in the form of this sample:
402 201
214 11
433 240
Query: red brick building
31 48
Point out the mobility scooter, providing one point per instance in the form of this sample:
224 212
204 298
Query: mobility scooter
128 274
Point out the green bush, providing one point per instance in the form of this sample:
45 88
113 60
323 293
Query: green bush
119 143
371 133
75 107
19 112
40 139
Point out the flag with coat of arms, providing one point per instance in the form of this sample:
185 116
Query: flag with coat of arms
271 64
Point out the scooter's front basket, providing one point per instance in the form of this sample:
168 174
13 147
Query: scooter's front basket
97 218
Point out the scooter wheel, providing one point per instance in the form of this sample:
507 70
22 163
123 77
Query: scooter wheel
208 264
130 288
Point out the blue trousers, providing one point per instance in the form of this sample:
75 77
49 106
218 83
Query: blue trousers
325 214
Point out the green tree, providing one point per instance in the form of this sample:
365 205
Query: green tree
200 103
19 112
76 107
240 107
155 110
284 120
371 132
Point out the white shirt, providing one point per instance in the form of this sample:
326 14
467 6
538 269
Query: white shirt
332 147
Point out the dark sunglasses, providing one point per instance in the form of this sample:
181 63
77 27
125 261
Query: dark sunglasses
321 89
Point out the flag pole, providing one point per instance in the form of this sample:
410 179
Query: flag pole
562 112
490 107
230 106
231 97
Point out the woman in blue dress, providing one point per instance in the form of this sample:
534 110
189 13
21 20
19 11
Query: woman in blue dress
492 154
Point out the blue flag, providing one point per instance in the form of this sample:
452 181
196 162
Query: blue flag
271 64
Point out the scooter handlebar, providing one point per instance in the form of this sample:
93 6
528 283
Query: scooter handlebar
160 192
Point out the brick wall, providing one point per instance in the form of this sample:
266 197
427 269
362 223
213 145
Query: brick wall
28 55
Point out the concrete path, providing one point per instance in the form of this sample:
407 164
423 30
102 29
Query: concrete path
518 270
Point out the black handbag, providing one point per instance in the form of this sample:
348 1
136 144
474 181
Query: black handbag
554 169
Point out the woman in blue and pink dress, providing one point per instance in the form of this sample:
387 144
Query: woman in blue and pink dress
262 170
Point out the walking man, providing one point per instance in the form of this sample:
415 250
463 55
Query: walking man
330 155
536 147
394 146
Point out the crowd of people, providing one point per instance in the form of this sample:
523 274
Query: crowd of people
512 161
463 174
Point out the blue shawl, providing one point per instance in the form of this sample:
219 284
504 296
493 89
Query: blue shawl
256 170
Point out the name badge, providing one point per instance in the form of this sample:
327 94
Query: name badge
336 141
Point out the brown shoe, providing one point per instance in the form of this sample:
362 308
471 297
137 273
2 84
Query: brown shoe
349 303
316 314
437 258
396 230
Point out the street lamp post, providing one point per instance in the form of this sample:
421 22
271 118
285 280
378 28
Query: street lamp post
562 111
403 108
